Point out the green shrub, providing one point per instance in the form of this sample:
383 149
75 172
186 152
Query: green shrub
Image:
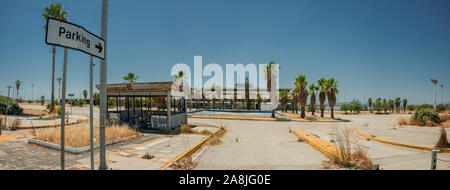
13 107
440 108
421 116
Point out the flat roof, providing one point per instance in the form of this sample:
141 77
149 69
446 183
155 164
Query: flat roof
138 88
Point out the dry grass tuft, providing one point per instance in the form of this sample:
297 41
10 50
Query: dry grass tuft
185 163
344 157
216 139
79 137
185 129
147 156
402 121
205 132
442 142
444 117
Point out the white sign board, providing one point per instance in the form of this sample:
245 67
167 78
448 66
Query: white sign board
65 34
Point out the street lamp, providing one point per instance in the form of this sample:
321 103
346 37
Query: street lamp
434 81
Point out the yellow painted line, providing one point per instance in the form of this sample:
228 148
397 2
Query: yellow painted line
131 147
417 147
9 137
323 146
188 152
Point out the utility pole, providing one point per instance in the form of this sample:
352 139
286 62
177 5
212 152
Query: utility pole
434 81
59 89
442 94
103 79
32 85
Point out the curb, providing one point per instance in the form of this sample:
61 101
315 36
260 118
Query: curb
52 126
74 150
417 147
189 152
267 119
323 146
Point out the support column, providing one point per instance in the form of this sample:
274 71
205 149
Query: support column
169 117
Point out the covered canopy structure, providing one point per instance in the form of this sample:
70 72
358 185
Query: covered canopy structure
145 104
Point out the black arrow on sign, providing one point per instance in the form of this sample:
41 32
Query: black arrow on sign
99 47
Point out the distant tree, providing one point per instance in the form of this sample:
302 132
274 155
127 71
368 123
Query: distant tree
323 94
370 104
397 104
17 87
355 105
130 77
391 105
284 98
300 84
42 100
312 97
378 105
405 102
332 87
85 93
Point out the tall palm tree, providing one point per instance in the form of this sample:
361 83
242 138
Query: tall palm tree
370 104
130 77
17 89
332 87
85 93
323 94
385 105
398 101
54 11
312 91
434 81
301 84
268 72
405 102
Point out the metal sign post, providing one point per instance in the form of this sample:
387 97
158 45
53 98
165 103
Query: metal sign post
91 110
69 35
103 101
63 107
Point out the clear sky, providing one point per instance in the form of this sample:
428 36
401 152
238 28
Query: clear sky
374 48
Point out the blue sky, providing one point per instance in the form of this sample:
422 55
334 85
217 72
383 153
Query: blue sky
374 48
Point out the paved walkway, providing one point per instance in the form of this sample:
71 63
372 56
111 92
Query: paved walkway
258 145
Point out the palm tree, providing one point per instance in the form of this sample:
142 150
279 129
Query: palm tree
268 73
130 77
378 105
312 99
434 81
398 101
391 105
385 105
294 101
42 100
300 84
284 98
85 93
405 102
323 94
370 104
17 89
332 87
54 11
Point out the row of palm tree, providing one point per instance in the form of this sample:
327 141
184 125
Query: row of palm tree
385 105
299 96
